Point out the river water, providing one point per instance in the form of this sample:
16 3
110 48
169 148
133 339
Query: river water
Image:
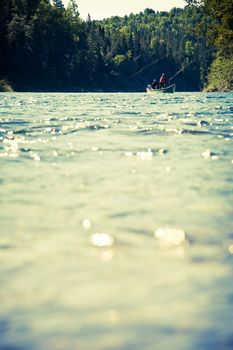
116 221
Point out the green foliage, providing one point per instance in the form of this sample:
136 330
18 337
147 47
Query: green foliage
118 59
58 4
5 86
189 49
219 34
47 46
221 75
72 9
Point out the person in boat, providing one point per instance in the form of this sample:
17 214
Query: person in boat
163 81
154 84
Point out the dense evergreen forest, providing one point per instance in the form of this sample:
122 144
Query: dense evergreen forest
47 47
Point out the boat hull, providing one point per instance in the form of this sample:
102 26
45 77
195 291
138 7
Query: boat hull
170 89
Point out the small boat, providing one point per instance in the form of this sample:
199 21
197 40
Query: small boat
169 89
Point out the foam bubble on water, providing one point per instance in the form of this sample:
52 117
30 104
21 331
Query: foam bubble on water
209 155
11 148
170 235
145 155
54 152
206 154
102 240
129 154
86 224
48 130
3 155
35 156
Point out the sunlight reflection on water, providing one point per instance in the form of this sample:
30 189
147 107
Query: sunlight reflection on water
116 221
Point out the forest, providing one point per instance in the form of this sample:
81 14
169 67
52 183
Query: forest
47 47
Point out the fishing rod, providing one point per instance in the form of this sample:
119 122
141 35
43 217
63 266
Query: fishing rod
148 65
181 70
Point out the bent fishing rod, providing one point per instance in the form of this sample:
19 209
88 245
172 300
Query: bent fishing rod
181 70
147 66
156 61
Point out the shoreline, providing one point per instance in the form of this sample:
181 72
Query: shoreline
5 86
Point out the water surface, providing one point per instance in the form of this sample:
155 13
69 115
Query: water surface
116 221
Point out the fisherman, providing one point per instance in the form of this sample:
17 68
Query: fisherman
154 84
162 81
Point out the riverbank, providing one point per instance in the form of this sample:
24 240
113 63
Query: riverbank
220 77
5 86
218 81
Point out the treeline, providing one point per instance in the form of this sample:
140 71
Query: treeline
143 46
220 35
45 46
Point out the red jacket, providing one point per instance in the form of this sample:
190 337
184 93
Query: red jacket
163 79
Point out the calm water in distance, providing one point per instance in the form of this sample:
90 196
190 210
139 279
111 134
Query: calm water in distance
116 221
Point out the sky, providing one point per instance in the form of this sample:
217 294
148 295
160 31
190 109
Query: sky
99 9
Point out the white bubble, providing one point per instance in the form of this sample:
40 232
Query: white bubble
145 155
86 224
102 240
206 154
129 154
170 235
